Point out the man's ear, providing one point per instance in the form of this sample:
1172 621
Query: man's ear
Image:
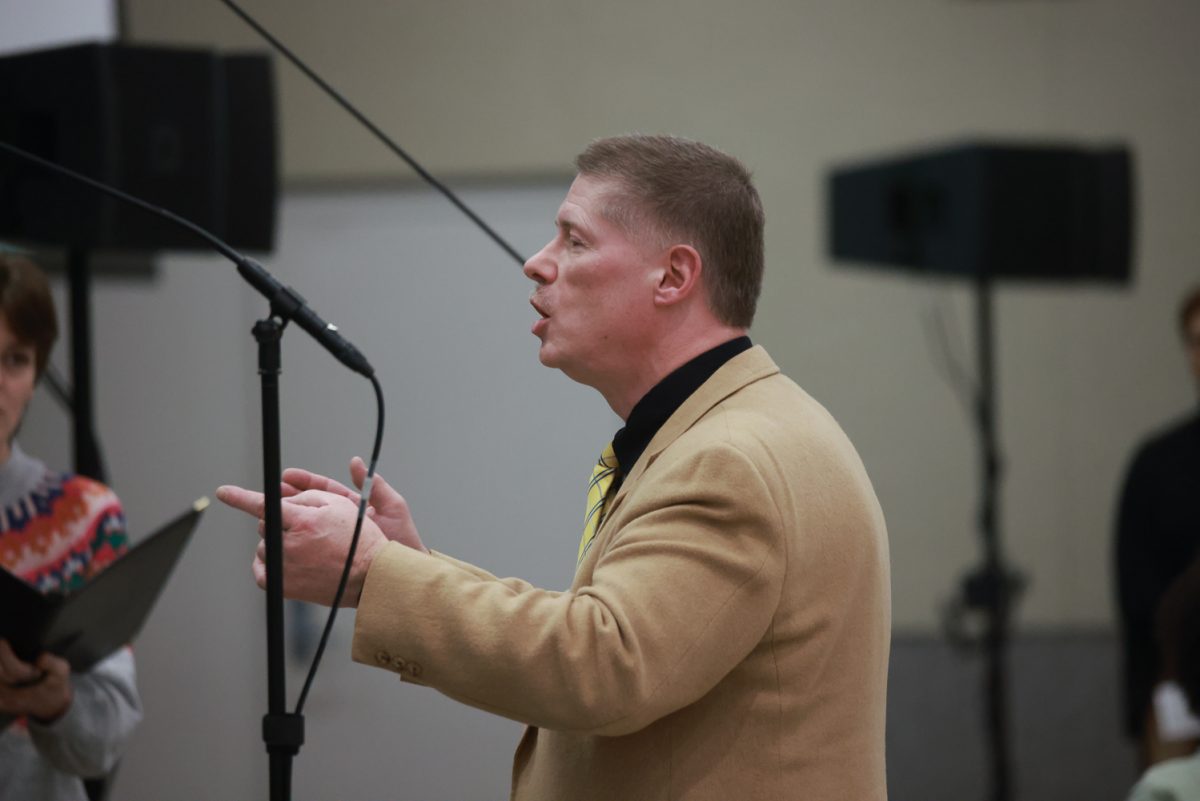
680 276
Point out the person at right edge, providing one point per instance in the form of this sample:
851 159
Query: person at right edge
1157 537
726 634
1178 630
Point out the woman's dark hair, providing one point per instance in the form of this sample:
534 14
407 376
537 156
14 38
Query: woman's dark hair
28 306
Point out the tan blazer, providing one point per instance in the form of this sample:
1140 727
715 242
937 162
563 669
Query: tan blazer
726 636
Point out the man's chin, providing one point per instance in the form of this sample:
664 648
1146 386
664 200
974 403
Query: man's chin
547 356
553 359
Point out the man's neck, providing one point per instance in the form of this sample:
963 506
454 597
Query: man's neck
673 352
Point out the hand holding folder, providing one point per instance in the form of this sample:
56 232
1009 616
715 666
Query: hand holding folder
41 690
87 625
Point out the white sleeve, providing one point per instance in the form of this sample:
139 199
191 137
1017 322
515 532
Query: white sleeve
90 737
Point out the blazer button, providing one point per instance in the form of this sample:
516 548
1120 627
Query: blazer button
383 658
414 670
399 664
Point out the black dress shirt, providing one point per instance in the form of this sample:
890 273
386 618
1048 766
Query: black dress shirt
663 400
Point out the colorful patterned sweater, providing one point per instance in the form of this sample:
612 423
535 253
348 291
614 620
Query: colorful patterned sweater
56 532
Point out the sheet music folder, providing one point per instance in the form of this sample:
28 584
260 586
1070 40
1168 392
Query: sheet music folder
90 623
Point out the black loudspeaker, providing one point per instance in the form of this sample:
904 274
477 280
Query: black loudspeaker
188 130
1010 211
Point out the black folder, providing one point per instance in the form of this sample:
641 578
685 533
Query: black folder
92 622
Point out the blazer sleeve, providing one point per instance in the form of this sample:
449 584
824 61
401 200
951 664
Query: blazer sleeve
681 593
516 584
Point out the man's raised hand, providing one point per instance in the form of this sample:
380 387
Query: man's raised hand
386 506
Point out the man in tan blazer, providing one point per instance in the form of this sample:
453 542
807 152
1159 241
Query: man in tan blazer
726 633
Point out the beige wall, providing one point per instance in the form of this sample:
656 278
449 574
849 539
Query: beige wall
513 89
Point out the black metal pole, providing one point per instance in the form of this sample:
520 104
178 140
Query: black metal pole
283 733
995 574
79 280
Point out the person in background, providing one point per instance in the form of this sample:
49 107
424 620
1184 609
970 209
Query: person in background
1178 629
1158 535
56 532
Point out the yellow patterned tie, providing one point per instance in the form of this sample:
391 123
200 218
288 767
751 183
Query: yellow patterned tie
602 478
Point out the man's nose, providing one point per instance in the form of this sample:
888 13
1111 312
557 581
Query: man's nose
540 268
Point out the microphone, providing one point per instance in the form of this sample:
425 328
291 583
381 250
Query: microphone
286 303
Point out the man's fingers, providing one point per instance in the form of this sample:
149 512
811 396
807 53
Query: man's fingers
306 480
381 491
358 471
248 501
252 503
303 479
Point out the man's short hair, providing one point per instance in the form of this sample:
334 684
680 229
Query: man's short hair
685 192
28 306
1188 309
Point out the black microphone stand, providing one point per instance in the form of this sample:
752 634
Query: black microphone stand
282 731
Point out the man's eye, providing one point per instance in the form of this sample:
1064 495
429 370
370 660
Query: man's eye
575 243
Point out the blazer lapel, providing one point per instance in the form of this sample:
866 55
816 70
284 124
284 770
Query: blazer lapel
740 371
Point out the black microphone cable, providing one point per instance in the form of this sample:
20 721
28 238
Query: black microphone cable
283 298
373 128
363 501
